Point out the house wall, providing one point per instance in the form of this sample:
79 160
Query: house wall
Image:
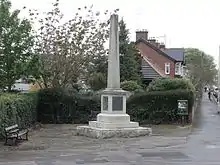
157 58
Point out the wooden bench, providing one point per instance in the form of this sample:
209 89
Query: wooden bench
14 134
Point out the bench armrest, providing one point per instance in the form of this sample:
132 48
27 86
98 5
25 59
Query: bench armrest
24 129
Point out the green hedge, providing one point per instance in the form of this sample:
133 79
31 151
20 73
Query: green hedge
130 85
68 106
158 106
62 106
17 109
164 84
57 105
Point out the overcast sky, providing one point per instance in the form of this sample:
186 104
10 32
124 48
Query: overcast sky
186 23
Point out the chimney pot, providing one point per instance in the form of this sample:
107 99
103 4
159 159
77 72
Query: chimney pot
152 41
162 46
157 44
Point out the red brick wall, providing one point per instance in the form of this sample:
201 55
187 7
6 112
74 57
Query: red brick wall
157 58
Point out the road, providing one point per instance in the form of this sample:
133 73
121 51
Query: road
201 147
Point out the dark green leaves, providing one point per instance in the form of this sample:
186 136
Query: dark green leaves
16 44
129 59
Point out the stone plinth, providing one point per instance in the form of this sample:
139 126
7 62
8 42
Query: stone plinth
113 125
113 101
113 120
101 133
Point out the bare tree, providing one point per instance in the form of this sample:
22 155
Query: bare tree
66 49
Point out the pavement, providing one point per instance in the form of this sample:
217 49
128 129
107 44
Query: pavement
58 145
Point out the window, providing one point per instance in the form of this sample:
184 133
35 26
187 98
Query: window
178 68
167 68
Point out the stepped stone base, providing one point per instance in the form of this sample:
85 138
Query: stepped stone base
101 133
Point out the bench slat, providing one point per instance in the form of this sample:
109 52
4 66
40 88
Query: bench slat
11 127
13 131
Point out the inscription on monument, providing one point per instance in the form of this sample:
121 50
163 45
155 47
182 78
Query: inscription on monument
117 103
105 103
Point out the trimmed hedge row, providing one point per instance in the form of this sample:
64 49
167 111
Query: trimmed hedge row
62 106
158 106
18 109
65 106
68 106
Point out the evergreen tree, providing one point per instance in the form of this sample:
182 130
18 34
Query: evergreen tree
129 63
97 75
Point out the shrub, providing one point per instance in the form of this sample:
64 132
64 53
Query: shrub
17 109
130 85
57 105
66 106
158 106
85 106
163 84
97 81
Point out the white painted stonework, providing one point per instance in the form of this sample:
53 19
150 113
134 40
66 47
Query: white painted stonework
113 120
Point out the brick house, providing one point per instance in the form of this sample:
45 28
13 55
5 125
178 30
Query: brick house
157 60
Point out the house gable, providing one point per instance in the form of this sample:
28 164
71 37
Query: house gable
141 40
156 58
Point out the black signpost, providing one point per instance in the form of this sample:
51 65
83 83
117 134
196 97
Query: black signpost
182 109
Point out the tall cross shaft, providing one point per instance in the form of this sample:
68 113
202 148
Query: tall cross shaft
113 57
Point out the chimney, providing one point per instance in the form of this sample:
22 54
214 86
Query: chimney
152 41
141 34
162 46
157 44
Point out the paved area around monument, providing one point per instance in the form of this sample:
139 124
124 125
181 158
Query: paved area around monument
58 145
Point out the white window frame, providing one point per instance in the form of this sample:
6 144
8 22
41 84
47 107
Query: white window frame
184 70
178 68
167 68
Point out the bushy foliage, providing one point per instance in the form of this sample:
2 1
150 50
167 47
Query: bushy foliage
18 109
58 105
61 106
97 81
130 86
158 106
163 84
16 45
201 68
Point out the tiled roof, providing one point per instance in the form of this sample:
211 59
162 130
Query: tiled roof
155 48
176 53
